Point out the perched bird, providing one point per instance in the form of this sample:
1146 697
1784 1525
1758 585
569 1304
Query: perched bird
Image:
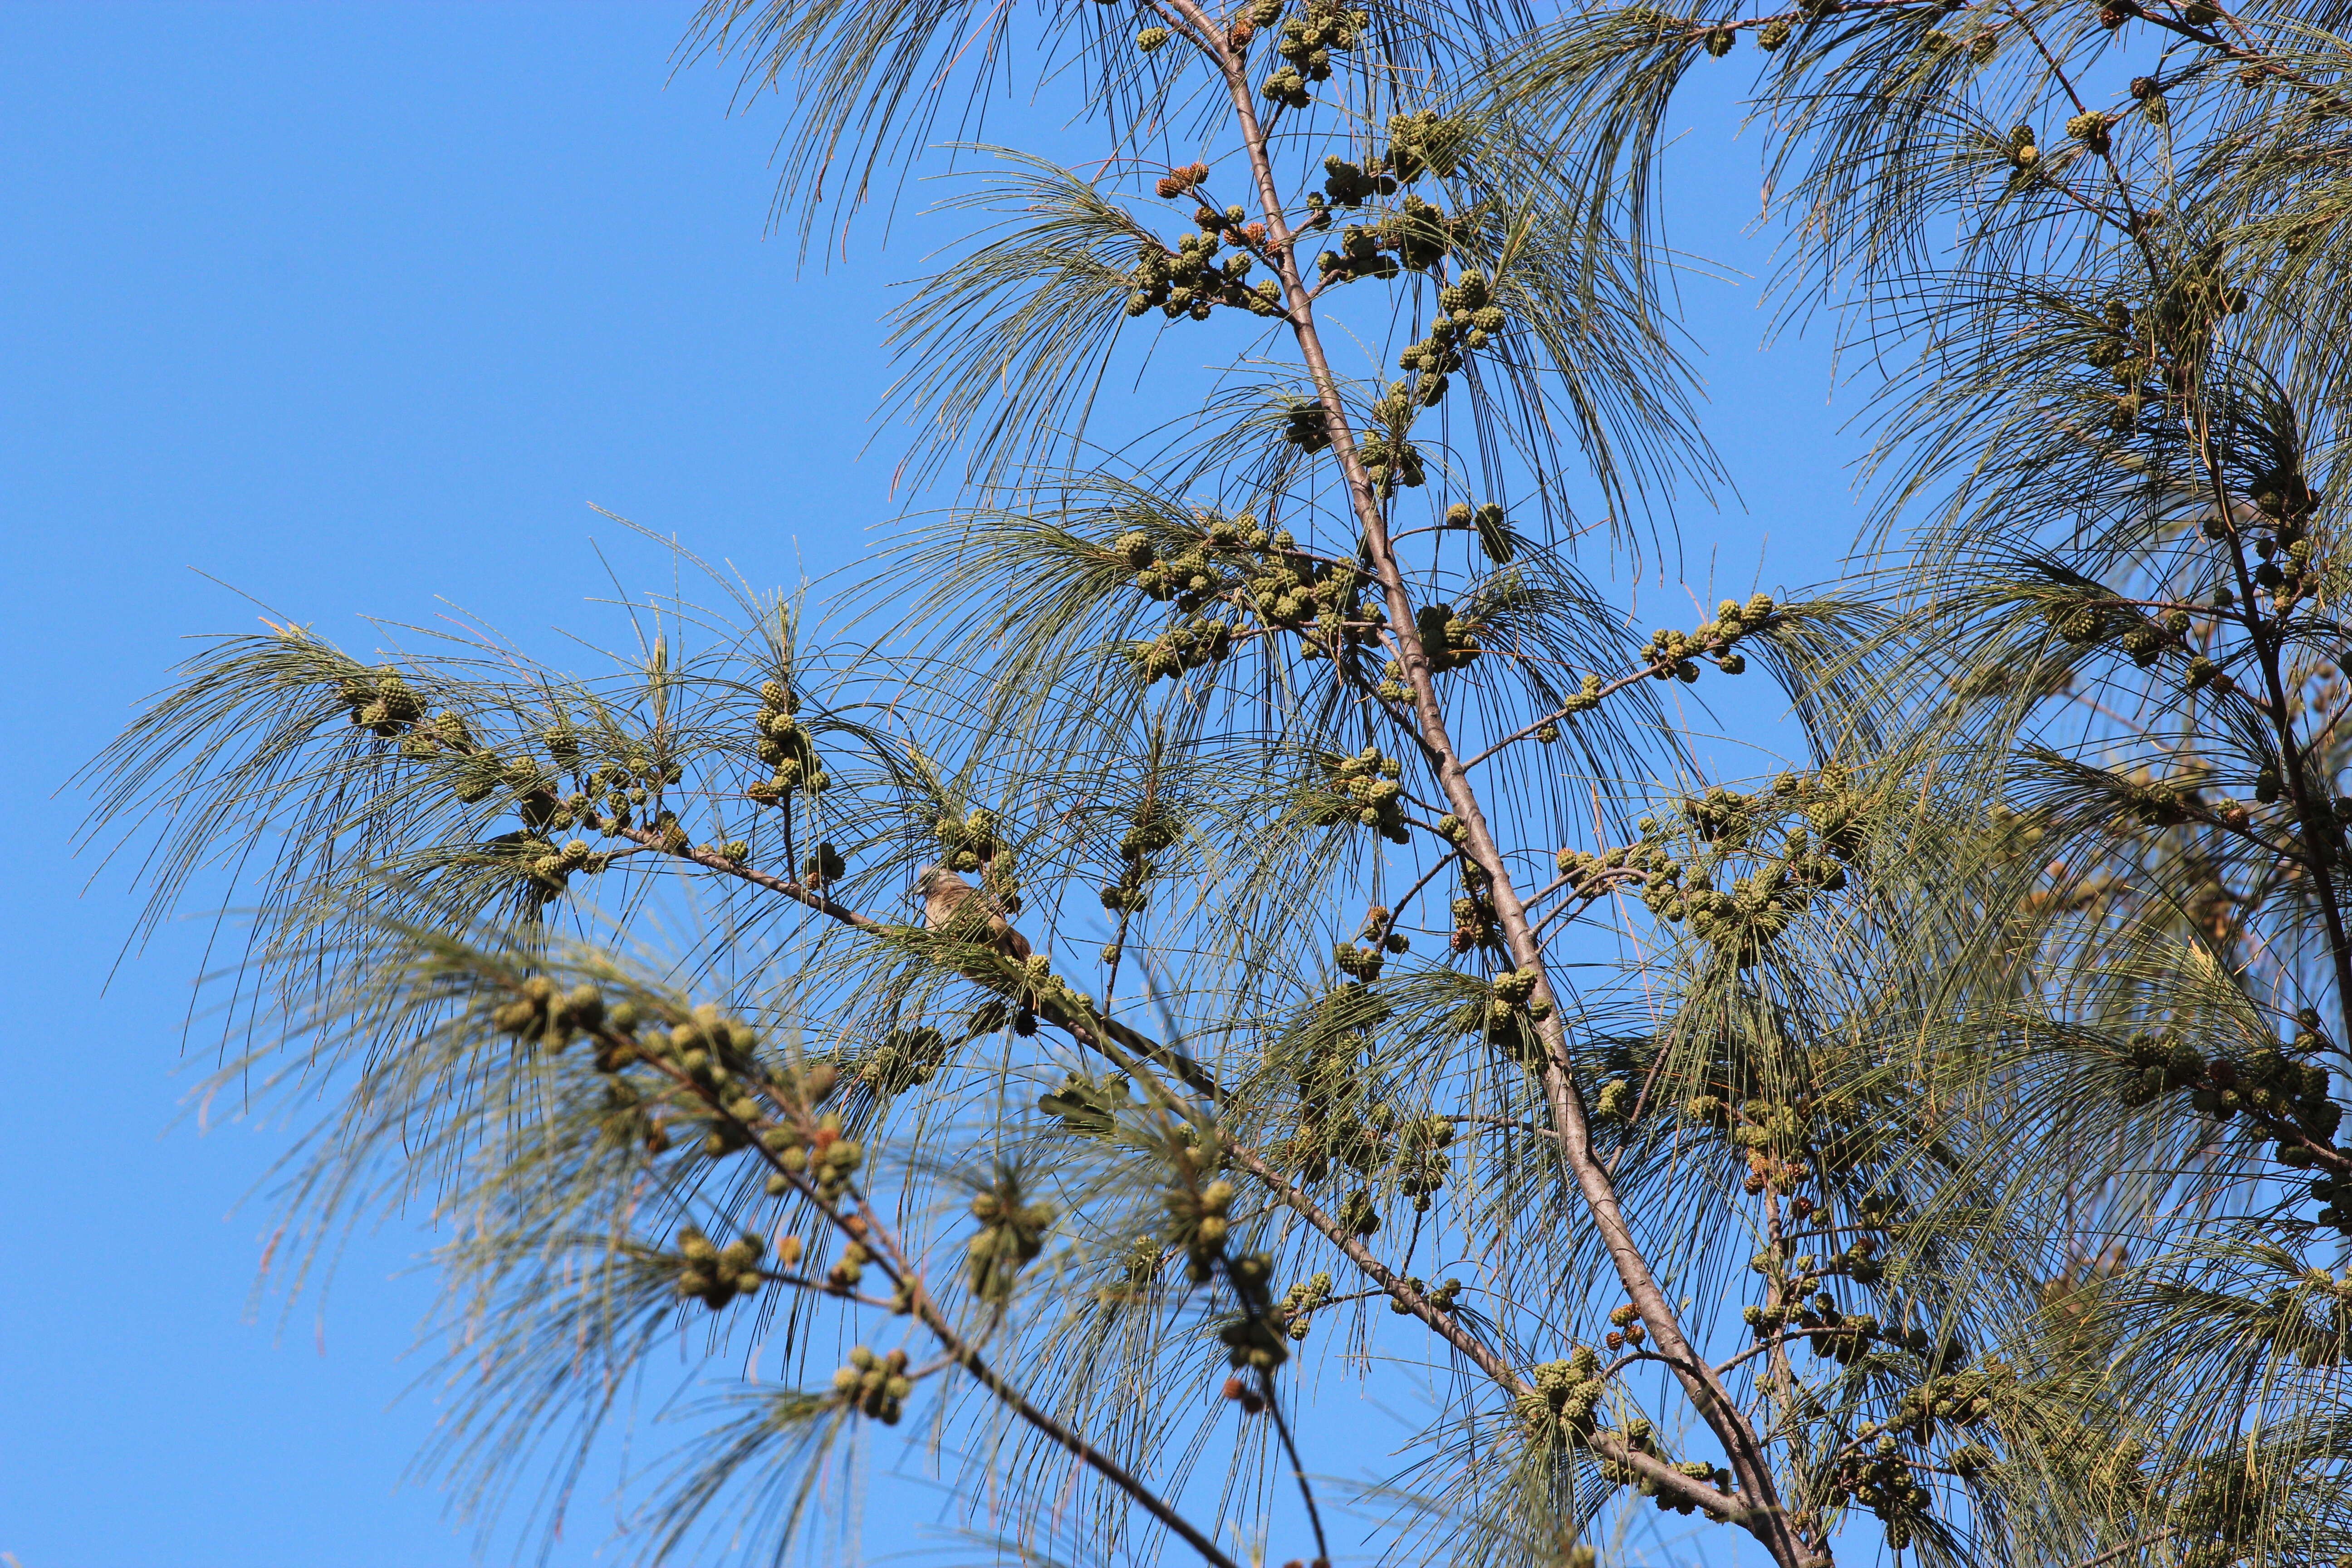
954 907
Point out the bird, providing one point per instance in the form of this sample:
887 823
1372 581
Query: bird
949 908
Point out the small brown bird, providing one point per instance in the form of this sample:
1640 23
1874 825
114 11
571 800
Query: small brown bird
955 908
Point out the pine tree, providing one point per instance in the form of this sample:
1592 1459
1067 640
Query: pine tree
1944 1156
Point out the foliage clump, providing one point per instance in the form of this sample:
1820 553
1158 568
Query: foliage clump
1991 1049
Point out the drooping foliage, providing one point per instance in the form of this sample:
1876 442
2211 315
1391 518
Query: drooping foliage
1931 1145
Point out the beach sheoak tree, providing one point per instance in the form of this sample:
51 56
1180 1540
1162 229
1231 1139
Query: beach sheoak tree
1246 893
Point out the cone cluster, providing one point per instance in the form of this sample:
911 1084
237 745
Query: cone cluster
874 1385
716 1275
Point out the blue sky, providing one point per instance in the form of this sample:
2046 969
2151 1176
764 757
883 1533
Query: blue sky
343 308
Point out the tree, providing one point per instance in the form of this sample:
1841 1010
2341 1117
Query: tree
1961 1037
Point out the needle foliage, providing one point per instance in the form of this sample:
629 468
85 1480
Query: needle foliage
1931 1147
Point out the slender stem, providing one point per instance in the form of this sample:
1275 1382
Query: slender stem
1600 885
1507 1124
869 1231
789 888
1764 1517
1714 1502
821 1288
1274 1408
1396 911
1777 1341
1298 1466
1101 1464
2132 225
1647 672
1282 1426
2313 826
2128 1548
1782 1378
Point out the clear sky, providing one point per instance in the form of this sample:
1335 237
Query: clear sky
343 308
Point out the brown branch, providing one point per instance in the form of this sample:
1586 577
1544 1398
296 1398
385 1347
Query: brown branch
1711 1501
2291 752
869 1231
2126 1547
1767 1518
982 966
713 860
1647 672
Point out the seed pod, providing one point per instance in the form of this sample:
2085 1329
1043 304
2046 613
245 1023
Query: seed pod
1493 536
2089 128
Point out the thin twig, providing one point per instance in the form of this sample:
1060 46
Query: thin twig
2130 1546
